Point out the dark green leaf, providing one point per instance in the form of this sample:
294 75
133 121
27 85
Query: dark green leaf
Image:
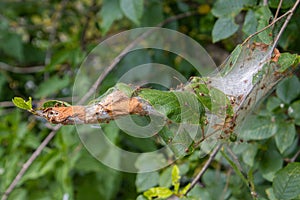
144 181
152 8
223 28
285 136
51 86
258 128
286 184
288 89
11 44
285 4
270 162
133 9
109 13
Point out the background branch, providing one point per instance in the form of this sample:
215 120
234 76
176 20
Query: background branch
21 70
204 168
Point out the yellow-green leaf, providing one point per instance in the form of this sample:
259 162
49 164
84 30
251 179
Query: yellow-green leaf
21 103
175 178
159 192
185 189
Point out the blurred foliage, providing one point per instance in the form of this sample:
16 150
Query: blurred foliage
57 35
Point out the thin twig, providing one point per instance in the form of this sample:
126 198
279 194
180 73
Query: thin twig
266 27
27 164
293 159
278 9
235 158
204 168
291 12
21 70
38 151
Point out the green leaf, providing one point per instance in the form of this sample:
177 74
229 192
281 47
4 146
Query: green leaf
229 64
52 103
270 162
285 136
175 178
148 162
132 9
152 8
264 15
164 178
285 4
144 181
286 60
21 103
185 189
109 13
250 153
223 28
273 103
270 193
177 106
288 89
250 23
286 183
51 86
294 112
159 192
228 7
11 44
258 128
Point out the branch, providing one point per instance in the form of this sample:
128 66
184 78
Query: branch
204 168
21 70
291 12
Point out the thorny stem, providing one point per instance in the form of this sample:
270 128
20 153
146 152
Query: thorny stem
38 151
204 168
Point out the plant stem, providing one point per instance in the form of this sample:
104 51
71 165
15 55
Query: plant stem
205 167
